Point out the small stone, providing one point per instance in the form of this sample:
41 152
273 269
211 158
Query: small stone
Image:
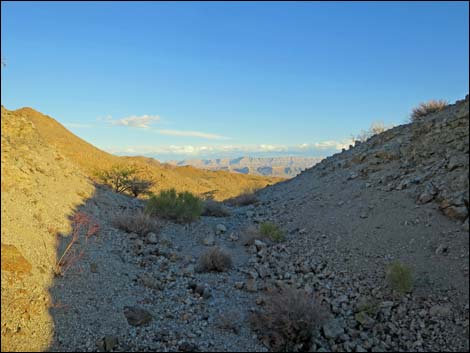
110 342
364 319
239 285
137 316
94 267
209 240
151 238
440 310
333 329
187 347
251 285
441 249
234 237
220 228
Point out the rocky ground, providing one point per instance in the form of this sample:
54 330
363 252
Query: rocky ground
403 195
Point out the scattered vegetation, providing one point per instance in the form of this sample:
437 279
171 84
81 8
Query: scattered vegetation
399 277
375 128
271 231
265 231
288 320
139 223
215 209
214 260
426 108
124 179
83 228
247 197
181 206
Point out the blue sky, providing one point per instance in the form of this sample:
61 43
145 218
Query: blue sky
206 80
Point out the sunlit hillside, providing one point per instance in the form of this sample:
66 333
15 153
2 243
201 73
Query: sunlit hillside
220 184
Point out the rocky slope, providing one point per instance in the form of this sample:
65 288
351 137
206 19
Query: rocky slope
285 167
220 184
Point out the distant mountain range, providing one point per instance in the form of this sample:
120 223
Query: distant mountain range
286 167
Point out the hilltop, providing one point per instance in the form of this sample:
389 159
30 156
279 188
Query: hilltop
284 167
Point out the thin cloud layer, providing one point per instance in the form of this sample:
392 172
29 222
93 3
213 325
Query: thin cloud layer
146 121
323 147
142 122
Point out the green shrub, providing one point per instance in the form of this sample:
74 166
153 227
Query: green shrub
399 277
181 206
427 108
271 231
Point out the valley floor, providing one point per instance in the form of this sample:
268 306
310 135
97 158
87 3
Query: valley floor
121 274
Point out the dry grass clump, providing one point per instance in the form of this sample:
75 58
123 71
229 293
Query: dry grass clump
214 260
426 108
249 235
375 128
400 278
288 320
215 209
247 197
139 223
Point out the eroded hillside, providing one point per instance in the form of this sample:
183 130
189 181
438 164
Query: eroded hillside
40 189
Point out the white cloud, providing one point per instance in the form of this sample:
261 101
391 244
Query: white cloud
323 147
326 145
142 122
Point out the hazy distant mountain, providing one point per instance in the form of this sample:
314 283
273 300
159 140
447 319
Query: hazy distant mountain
286 167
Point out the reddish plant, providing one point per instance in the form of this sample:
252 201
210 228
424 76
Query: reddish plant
83 228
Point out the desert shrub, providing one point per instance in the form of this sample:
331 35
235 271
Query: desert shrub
214 260
271 231
124 179
181 206
288 320
215 209
427 108
250 234
139 223
399 277
247 197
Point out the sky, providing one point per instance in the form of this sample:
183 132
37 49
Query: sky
185 80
